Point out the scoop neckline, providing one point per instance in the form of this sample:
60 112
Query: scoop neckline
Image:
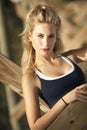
45 77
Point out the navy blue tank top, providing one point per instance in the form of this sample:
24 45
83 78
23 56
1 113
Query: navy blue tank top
53 88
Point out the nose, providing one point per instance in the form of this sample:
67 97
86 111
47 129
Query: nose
45 41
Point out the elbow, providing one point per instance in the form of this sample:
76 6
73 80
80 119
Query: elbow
36 126
33 126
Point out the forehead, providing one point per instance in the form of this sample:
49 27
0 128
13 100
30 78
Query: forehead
45 28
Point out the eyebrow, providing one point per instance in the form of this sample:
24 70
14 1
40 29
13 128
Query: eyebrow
43 34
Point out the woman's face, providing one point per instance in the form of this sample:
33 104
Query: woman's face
43 38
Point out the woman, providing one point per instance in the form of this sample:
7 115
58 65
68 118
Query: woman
47 74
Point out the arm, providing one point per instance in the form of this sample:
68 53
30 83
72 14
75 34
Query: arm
79 93
77 55
31 95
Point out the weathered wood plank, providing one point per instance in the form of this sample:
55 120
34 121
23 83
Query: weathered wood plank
74 117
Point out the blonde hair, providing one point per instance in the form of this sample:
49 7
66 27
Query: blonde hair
40 14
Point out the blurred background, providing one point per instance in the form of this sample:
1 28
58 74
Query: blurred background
73 14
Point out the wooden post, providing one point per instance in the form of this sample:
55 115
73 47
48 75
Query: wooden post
4 50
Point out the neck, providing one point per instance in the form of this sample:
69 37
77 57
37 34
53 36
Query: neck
40 59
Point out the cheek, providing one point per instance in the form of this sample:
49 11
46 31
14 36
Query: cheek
52 43
35 44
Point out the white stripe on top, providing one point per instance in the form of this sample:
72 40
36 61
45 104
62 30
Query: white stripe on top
45 77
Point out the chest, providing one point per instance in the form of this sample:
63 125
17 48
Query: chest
58 80
57 68
53 89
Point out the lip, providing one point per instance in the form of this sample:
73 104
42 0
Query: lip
45 49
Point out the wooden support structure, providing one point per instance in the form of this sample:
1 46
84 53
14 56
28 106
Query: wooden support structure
74 117
4 49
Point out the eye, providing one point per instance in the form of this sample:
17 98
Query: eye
51 36
40 36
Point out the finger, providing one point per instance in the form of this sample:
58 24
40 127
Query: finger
82 86
83 91
81 97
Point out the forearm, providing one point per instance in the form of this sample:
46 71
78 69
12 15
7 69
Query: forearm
77 55
82 54
43 122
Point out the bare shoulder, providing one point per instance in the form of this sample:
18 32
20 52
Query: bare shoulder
30 81
29 75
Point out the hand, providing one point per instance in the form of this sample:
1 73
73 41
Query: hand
79 93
